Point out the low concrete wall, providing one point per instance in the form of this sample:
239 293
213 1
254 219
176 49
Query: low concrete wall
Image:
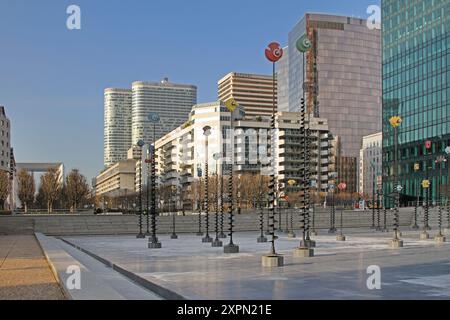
122 225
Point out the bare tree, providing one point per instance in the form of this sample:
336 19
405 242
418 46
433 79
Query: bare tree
50 187
76 189
4 188
27 189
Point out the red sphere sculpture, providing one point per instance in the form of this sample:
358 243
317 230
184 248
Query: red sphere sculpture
274 52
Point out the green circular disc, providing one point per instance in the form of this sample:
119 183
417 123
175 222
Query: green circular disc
304 44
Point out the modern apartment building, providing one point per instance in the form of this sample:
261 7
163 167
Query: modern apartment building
252 91
181 153
5 137
117 125
370 163
342 79
171 102
416 87
117 180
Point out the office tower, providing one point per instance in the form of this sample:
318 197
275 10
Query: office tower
172 102
370 163
282 69
252 91
117 127
416 87
342 77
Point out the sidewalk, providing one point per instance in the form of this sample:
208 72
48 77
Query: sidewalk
24 271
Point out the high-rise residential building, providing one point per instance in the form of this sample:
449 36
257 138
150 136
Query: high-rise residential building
416 87
342 78
282 69
117 127
5 146
370 163
171 102
181 153
254 92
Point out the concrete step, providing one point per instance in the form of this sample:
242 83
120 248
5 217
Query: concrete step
98 282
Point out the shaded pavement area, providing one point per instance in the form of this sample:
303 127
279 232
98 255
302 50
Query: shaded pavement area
24 271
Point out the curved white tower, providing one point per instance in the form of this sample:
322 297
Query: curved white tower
117 129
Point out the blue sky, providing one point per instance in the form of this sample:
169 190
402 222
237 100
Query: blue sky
52 79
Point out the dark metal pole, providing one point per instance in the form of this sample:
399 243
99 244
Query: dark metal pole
222 234
207 238
217 243
272 186
174 234
148 201
140 235
373 196
153 242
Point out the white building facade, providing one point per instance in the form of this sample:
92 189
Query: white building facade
117 125
370 164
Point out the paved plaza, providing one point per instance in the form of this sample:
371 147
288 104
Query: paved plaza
192 270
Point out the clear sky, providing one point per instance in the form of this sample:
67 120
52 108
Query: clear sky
52 79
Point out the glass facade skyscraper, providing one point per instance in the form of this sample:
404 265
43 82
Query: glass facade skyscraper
416 77
342 81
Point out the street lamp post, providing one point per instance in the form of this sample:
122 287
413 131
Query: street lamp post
303 46
440 160
216 243
396 242
141 235
153 242
207 133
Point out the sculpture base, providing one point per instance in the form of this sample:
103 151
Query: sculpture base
303 253
230 249
314 233
396 244
440 239
140 236
217 244
291 235
173 237
424 236
272 261
262 240
207 239
154 245
341 238
308 244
